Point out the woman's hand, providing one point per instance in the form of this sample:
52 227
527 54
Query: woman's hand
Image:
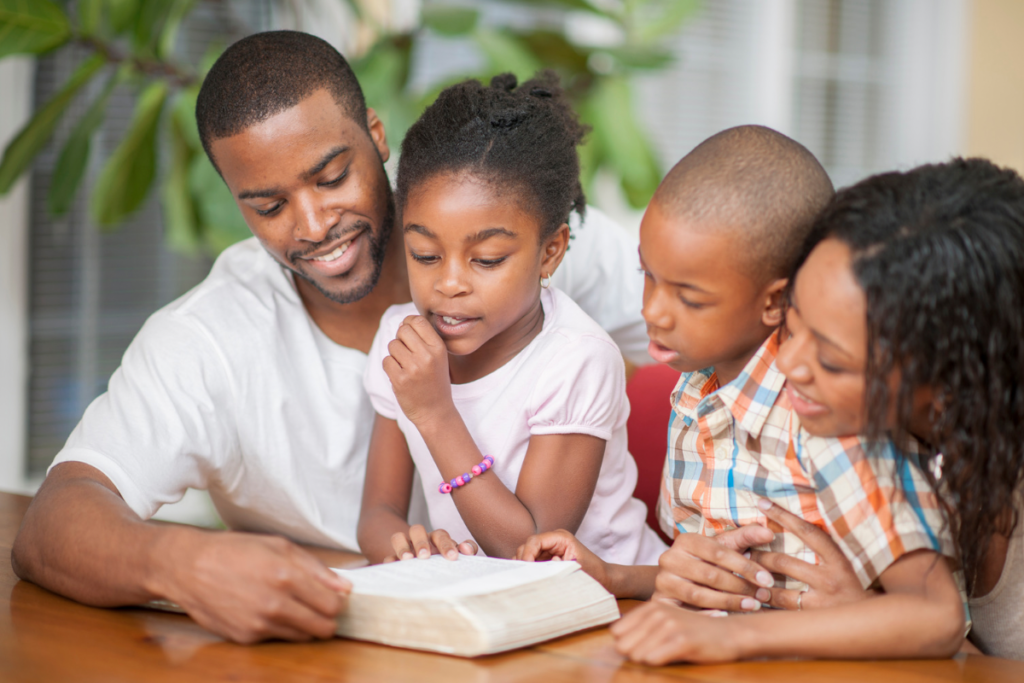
832 582
418 370
417 543
657 634
561 545
711 573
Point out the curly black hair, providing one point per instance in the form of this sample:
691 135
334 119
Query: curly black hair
939 253
266 73
523 138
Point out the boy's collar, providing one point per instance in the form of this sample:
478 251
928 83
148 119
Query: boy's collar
749 397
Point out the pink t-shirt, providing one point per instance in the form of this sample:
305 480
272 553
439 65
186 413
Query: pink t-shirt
569 380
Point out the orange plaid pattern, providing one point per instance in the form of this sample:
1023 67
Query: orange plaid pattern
731 446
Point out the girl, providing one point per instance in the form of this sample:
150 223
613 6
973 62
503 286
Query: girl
504 398
906 318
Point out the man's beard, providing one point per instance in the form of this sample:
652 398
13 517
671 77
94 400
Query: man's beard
378 251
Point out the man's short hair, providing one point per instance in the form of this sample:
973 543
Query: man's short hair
267 73
753 182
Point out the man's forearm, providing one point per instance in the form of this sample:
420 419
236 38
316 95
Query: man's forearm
80 539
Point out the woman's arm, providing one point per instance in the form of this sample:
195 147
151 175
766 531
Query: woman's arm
920 615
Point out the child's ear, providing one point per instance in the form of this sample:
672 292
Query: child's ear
775 302
553 250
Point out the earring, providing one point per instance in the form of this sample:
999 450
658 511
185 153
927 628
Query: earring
545 281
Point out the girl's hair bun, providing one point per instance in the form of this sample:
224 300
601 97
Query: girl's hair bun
541 92
505 82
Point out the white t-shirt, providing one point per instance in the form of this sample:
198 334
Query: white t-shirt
569 380
234 389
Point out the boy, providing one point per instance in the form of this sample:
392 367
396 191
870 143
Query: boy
716 245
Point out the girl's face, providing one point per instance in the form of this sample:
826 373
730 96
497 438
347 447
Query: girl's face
825 356
475 262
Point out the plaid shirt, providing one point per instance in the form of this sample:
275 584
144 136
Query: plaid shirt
730 446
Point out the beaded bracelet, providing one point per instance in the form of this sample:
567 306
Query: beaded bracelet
462 480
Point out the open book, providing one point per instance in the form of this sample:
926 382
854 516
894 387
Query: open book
472 606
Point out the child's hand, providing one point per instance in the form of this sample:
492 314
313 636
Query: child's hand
657 634
418 370
710 573
418 543
561 545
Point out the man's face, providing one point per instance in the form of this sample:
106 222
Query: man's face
701 304
311 185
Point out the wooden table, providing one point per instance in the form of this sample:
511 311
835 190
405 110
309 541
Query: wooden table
44 637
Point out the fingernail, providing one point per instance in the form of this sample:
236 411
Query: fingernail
424 554
452 555
765 579
763 594
764 504
406 555
747 554
749 604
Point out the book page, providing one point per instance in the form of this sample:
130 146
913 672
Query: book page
441 578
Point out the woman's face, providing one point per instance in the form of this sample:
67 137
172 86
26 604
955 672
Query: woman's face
825 356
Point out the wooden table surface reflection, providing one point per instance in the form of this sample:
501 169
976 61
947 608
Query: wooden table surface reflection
44 637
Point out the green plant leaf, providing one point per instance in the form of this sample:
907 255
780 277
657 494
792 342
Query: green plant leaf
505 52
36 133
74 158
642 56
89 14
622 140
381 73
31 26
450 20
122 13
222 222
184 113
675 13
169 33
181 223
126 177
149 23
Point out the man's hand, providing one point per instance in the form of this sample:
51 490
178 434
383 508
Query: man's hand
249 587
417 543
418 370
711 573
830 582
561 545
657 634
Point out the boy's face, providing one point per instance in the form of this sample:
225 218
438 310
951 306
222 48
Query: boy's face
701 305
475 262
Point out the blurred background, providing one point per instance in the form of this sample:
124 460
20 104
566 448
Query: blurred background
109 209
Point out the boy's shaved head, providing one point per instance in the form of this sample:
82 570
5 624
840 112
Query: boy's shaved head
756 183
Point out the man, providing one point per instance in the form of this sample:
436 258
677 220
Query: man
250 385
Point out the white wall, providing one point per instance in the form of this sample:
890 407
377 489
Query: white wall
15 106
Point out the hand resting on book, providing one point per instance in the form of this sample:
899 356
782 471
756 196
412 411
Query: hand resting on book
418 543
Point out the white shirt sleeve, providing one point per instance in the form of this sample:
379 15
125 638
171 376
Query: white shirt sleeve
601 273
165 423
375 380
581 390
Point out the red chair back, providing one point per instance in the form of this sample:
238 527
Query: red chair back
648 390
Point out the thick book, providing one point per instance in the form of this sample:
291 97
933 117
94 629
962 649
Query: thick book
472 606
